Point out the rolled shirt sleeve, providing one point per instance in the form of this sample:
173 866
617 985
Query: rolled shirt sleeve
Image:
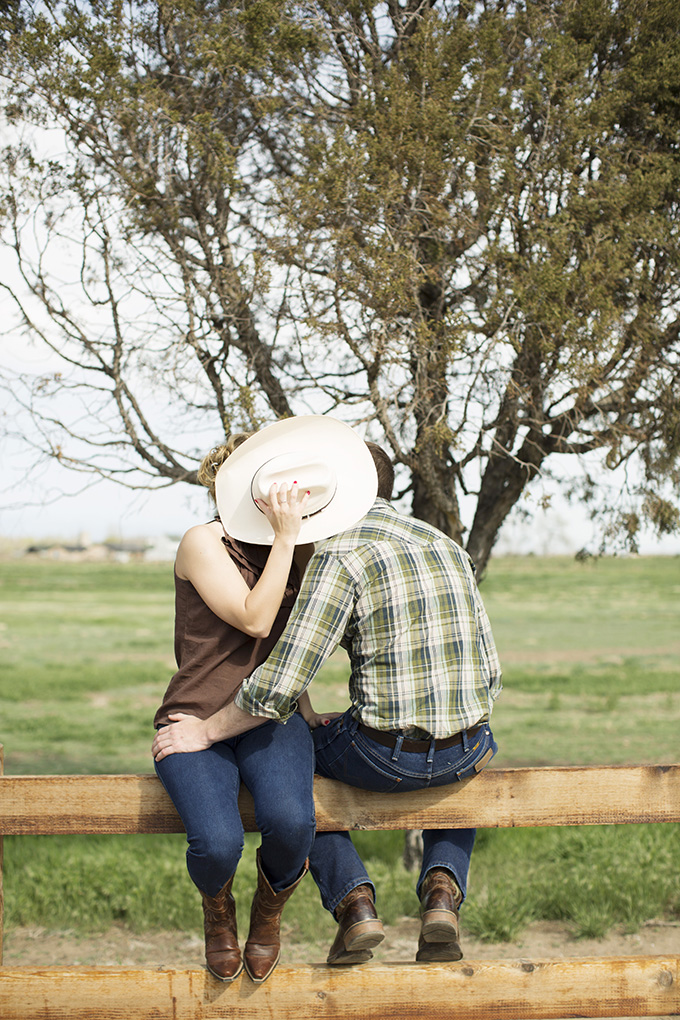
316 626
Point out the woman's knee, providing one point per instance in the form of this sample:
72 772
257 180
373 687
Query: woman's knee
215 852
291 824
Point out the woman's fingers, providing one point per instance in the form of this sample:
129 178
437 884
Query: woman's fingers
286 495
281 495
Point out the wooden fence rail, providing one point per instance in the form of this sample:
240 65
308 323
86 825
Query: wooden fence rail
537 989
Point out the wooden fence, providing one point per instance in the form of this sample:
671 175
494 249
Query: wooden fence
537 989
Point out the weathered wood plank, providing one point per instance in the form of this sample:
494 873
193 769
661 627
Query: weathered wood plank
495 798
485 990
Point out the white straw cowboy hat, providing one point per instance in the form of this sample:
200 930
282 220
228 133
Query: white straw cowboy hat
321 454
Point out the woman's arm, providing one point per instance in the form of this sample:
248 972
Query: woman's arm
201 559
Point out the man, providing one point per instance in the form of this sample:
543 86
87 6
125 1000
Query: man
401 598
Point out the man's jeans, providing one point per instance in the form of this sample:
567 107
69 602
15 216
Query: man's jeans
346 754
276 763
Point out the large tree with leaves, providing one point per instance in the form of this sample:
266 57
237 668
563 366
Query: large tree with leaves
456 222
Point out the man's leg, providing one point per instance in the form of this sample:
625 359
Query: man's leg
441 890
336 868
359 928
348 755
442 884
345 887
450 849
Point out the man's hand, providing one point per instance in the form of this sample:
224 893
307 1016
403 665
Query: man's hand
183 733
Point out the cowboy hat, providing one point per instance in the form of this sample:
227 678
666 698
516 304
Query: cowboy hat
322 454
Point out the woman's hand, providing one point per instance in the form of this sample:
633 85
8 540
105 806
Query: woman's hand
203 560
312 718
316 719
184 733
285 510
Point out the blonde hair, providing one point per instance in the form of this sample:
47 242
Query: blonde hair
214 460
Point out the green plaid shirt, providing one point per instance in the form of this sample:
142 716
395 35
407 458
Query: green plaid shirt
401 598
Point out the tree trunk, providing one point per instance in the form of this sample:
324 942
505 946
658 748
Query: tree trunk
427 508
413 849
502 485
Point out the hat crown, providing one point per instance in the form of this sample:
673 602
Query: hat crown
318 452
297 466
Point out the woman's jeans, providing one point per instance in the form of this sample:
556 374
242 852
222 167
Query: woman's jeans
346 754
276 763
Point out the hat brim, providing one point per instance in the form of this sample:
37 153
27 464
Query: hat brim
319 436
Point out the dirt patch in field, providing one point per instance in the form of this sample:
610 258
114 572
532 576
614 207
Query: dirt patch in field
119 947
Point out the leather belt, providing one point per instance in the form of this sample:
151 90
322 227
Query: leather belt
389 739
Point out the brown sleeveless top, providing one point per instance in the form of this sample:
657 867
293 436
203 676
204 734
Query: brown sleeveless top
214 658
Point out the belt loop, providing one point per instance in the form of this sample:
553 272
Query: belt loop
430 752
464 741
397 747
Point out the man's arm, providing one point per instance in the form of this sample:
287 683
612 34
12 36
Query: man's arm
189 733
316 626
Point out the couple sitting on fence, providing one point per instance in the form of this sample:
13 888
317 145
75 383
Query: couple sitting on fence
251 632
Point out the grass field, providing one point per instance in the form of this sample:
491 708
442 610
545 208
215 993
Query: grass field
590 653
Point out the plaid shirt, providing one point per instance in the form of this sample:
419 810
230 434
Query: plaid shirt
401 598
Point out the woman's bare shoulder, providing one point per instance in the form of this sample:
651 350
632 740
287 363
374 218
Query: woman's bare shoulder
211 531
198 541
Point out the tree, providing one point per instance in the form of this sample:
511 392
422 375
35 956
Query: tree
456 222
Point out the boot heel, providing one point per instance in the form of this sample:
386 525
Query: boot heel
364 935
439 926
359 929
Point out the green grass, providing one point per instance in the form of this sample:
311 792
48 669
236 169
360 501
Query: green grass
87 653
590 655
590 658
590 878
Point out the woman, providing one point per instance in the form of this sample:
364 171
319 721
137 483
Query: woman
232 600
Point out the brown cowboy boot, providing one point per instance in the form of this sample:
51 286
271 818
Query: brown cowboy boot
263 947
440 900
359 928
222 954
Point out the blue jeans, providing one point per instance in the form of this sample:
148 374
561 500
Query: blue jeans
346 754
276 763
